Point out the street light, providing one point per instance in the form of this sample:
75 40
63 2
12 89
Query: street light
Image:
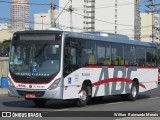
42 20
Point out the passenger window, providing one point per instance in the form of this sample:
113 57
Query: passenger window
151 59
100 53
103 53
140 56
117 54
129 55
88 53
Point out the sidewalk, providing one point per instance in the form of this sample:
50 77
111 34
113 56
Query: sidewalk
3 91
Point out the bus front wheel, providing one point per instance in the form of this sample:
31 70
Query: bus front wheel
82 101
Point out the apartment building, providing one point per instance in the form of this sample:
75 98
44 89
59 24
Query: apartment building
147 25
19 15
112 16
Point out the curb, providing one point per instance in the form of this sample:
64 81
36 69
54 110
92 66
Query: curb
3 91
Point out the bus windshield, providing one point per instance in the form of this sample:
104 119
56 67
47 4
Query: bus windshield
34 59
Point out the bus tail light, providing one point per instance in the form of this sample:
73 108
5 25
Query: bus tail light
54 84
10 83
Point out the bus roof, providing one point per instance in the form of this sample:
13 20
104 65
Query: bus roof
116 38
110 38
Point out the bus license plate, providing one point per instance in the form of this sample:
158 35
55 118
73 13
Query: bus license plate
30 96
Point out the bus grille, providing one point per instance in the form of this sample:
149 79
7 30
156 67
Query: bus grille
37 93
32 79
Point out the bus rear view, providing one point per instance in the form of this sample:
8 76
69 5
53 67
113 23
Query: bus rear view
34 66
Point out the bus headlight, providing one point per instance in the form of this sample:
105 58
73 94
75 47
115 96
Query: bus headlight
54 84
10 83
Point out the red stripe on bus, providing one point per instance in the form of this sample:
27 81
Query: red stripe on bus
115 80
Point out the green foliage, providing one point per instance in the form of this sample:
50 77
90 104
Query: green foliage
5 48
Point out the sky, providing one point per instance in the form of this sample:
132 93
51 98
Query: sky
5 8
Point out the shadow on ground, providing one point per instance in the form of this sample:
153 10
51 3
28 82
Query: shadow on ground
59 104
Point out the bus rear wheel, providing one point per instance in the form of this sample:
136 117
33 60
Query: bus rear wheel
82 101
132 96
134 92
39 102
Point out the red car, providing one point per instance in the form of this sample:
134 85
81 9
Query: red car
159 75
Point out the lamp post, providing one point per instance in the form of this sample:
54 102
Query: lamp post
42 20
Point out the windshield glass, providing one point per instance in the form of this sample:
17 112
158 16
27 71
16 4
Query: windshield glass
34 59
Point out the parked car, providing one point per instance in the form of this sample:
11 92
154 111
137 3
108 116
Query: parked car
159 75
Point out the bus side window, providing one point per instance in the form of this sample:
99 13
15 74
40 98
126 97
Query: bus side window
129 55
73 56
70 60
91 59
70 57
106 61
140 56
151 59
117 54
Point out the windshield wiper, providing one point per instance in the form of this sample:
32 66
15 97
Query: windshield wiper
41 50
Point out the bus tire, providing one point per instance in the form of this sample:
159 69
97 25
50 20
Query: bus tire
98 99
134 92
39 102
82 101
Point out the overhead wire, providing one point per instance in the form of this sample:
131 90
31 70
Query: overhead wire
76 28
74 13
67 11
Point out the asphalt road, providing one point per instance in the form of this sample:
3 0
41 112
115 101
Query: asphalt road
147 101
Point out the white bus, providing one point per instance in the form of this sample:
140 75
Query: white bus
64 65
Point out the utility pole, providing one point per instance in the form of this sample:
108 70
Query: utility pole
42 20
53 24
153 9
116 15
155 29
71 10
137 20
151 6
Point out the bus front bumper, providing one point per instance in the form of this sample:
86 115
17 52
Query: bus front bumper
56 93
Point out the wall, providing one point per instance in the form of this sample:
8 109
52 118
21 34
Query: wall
3 67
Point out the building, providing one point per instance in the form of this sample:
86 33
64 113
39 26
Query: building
113 16
146 27
5 32
5 26
20 15
5 35
42 21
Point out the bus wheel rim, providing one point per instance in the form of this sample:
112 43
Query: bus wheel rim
83 95
134 91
